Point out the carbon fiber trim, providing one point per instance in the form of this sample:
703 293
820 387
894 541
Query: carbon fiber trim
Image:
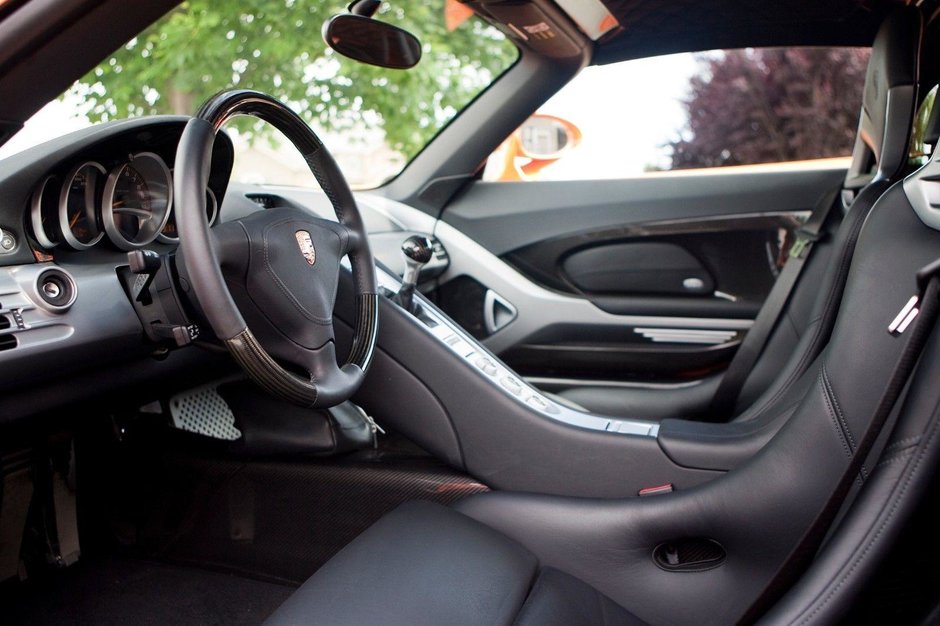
267 373
367 330
275 520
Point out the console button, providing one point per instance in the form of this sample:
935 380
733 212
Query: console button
538 402
511 385
488 367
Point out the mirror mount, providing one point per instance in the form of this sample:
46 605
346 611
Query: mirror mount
365 8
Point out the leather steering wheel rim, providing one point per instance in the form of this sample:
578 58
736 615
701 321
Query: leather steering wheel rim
331 384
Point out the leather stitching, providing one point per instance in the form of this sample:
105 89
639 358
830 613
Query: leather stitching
903 443
906 454
835 401
832 417
905 485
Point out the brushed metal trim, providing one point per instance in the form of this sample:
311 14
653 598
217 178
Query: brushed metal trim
453 338
550 382
685 335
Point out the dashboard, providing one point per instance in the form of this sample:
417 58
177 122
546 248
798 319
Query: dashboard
74 214
118 191
70 212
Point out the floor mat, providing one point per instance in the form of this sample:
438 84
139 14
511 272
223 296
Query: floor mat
124 591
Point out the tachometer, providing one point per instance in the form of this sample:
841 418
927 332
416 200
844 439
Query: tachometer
77 205
43 214
136 202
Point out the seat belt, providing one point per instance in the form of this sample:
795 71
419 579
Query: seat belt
726 395
925 308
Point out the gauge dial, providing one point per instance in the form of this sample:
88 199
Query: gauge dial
170 234
136 202
77 203
43 214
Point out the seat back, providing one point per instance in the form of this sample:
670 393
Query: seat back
879 158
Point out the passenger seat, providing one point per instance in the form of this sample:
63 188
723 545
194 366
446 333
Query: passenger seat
804 325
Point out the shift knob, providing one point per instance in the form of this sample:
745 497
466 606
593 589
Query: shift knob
417 251
417 248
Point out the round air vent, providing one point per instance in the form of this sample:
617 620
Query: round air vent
56 289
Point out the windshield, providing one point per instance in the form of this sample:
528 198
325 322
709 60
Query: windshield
374 120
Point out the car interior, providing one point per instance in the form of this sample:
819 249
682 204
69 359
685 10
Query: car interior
697 397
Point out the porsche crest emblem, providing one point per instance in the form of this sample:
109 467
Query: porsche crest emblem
306 246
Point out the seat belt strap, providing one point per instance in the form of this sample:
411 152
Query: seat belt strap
726 395
925 309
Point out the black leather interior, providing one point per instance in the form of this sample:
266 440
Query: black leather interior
757 513
650 403
427 564
809 311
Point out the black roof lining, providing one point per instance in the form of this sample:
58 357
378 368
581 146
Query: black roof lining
653 27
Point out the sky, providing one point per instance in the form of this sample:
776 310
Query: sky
625 112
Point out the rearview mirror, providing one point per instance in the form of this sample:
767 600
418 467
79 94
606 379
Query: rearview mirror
370 41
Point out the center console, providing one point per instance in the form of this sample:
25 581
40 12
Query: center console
437 385
453 339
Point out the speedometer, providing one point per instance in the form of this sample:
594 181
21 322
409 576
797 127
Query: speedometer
77 203
136 203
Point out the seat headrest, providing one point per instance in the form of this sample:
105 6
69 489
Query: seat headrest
884 128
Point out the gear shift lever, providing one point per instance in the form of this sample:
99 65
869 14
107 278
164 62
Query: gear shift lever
417 251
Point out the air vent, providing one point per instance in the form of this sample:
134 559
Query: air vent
56 289
263 200
7 341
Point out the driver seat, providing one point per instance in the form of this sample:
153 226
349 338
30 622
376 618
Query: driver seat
427 564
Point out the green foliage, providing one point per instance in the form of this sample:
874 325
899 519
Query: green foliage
919 148
204 46
770 105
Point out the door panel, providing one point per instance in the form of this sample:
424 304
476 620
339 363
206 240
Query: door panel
636 268
647 278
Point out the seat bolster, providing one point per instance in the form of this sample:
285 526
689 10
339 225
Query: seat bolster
558 598
648 403
420 564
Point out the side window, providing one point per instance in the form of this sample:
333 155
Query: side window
923 136
722 108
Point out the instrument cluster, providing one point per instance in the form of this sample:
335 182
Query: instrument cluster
130 203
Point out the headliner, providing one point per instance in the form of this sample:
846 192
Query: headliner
652 27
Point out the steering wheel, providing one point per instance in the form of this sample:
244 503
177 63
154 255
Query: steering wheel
282 264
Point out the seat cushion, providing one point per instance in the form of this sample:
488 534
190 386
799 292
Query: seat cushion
426 564
558 598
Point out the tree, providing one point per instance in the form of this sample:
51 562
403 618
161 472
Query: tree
275 46
770 105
